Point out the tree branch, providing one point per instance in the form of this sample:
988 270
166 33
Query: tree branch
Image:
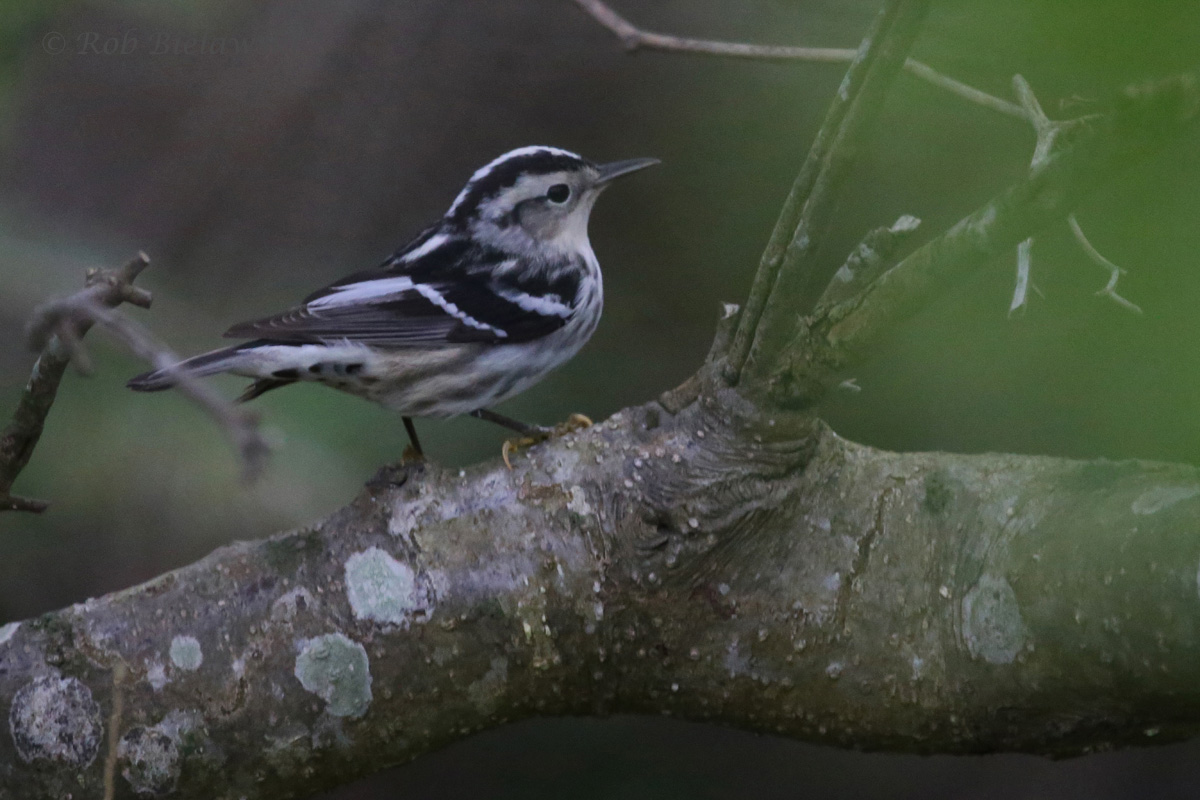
784 268
57 329
1024 267
104 289
1048 132
754 571
1147 118
1114 272
901 20
634 38
711 555
239 424
793 208
868 261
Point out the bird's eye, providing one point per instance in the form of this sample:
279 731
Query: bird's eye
558 193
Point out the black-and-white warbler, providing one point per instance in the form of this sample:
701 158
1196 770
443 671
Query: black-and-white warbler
477 308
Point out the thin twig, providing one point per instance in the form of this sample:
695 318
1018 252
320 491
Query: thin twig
57 329
790 231
1114 271
884 52
1047 130
1092 252
1147 118
793 207
1024 264
1049 134
965 91
13 503
868 261
239 424
22 433
20 437
634 38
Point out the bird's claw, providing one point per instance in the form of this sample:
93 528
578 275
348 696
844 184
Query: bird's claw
575 422
514 445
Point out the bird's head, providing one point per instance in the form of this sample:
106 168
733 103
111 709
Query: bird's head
536 197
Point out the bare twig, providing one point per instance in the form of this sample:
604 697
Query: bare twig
239 424
1043 126
804 213
977 96
634 38
1092 252
1047 132
839 142
1024 263
1048 137
1146 119
868 261
675 400
793 207
13 503
57 329
20 437
1114 272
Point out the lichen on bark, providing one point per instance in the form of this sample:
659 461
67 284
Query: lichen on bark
712 564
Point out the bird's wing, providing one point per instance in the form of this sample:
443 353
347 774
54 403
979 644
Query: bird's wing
438 290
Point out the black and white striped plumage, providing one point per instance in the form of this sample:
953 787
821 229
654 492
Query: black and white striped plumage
480 306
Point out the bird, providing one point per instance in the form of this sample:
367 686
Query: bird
478 307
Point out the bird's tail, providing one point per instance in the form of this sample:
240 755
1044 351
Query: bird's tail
204 364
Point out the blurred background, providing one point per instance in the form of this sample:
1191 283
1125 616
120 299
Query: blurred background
257 150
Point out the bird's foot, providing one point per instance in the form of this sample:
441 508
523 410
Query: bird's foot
411 455
511 446
537 435
575 422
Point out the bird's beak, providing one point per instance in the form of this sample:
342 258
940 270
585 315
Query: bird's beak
616 169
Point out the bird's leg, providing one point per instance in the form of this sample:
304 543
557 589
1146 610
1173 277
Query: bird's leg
529 434
413 452
536 432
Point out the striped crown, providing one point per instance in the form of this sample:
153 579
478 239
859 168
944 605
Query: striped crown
499 174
